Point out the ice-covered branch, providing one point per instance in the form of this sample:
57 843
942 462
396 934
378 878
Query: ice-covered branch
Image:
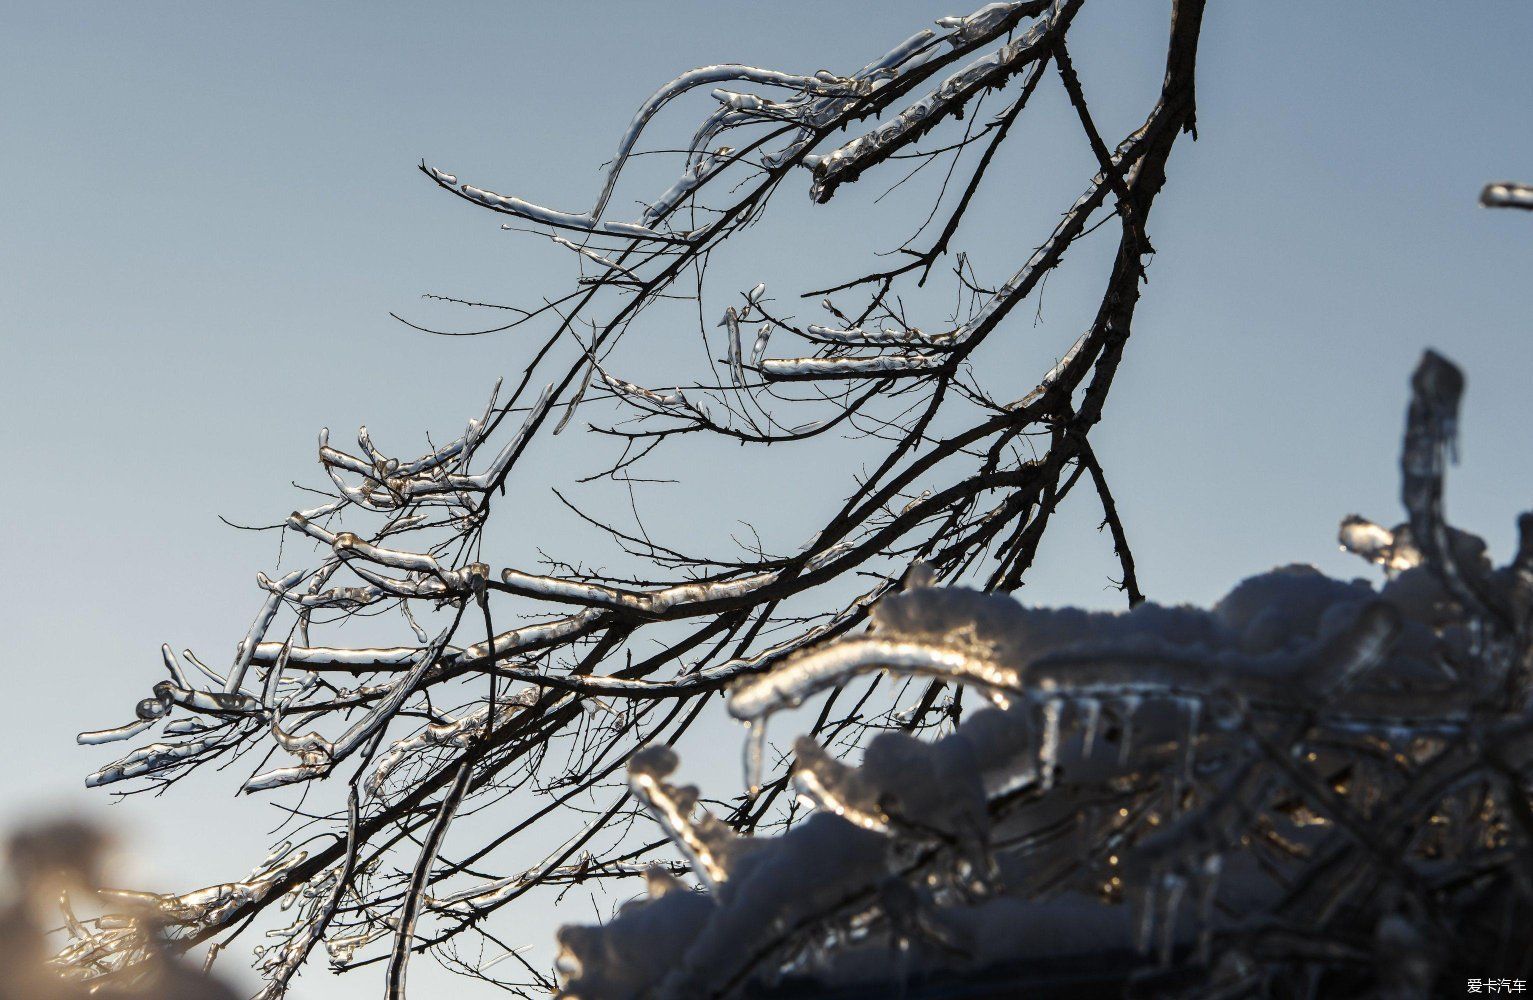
1507 195
411 658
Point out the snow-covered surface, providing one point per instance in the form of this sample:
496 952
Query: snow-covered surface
1152 778
1104 702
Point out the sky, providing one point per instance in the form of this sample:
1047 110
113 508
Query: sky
211 211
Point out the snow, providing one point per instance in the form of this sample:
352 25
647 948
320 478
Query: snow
928 849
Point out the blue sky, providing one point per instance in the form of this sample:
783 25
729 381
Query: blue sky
211 211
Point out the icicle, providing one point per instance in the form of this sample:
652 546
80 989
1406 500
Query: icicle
731 322
1190 740
128 731
1208 892
1091 708
755 752
420 633
758 349
1048 745
1176 886
1127 706
172 666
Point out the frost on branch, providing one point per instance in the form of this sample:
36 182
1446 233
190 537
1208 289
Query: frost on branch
1313 784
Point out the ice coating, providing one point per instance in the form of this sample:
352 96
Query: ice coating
987 18
269 609
800 369
1072 665
710 845
692 944
835 788
1391 549
1053 374
454 732
591 219
389 484
1048 746
812 103
319 755
316 904
860 337
758 348
675 399
592 255
1506 194
655 602
990 312
755 698
988 71
112 735
201 907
